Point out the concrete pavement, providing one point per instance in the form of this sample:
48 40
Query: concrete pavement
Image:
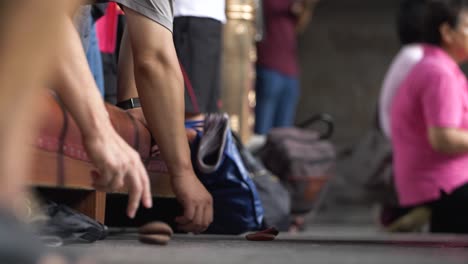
321 244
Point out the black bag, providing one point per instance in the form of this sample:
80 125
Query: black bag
303 159
275 197
237 205
367 171
69 225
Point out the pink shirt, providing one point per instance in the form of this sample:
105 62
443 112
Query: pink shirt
434 94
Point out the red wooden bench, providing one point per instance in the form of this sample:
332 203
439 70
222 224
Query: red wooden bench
60 161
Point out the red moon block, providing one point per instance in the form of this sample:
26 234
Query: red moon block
260 237
156 228
154 239
271 231
264 235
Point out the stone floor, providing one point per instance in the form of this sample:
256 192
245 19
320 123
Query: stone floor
321 244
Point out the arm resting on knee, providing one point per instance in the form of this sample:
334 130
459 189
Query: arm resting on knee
448 140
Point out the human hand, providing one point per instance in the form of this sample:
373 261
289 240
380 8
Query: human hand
196 201
118 166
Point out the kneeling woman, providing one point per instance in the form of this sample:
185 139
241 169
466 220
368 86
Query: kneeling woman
429 122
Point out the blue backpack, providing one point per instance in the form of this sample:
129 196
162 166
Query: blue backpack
219 166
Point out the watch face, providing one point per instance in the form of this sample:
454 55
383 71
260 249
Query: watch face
135 102
130 103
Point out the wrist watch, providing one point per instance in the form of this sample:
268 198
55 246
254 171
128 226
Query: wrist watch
129 104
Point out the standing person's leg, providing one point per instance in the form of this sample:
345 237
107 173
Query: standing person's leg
286 108
268 88
198 43
182 42
160 88
214 98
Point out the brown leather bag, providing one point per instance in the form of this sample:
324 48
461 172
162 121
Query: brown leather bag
302 158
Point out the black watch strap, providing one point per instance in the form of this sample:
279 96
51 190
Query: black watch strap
129 104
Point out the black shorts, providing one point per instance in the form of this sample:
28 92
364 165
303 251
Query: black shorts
198 44
450 212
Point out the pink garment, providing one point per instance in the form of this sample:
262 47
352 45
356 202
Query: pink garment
106 28
433 95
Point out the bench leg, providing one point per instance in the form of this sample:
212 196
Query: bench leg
90 203
93 204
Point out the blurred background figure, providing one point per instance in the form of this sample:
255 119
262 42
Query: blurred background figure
429 122
198 30
277 66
